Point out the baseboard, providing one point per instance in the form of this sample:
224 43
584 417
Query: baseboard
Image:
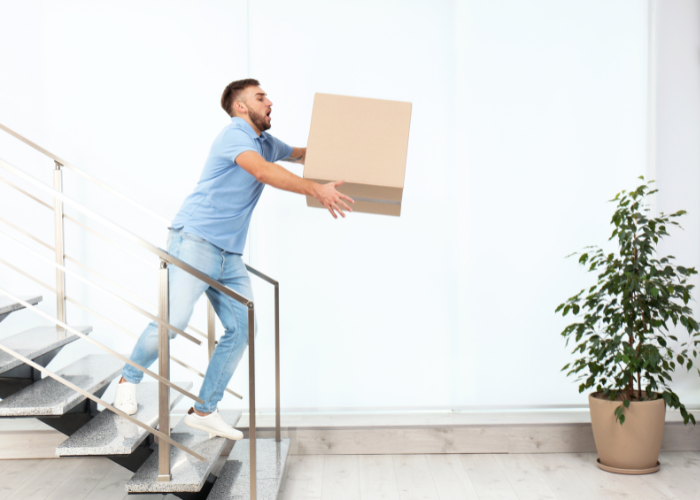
562 438
384 434
517 432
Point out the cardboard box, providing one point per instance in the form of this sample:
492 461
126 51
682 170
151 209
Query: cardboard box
364 142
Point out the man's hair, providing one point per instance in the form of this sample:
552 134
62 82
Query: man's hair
233 91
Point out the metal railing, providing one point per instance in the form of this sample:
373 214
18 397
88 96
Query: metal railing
162 318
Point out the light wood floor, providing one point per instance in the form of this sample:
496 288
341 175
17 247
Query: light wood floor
561 476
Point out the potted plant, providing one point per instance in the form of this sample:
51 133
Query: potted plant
626 350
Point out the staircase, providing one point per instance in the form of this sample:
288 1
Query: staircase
181 461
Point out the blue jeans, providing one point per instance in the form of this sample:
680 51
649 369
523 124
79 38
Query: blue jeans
226 268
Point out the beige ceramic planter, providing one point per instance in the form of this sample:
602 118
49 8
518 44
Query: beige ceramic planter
632 448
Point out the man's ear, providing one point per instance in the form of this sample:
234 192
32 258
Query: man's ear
239 108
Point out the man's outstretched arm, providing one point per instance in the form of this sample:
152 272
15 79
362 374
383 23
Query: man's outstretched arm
281 178
298 156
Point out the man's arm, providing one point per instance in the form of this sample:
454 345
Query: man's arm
298 156
281 178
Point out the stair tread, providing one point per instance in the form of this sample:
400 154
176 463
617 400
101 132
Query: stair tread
8 305
50 397
234 480
187 472
110 434
34 342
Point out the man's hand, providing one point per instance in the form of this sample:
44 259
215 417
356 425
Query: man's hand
331 198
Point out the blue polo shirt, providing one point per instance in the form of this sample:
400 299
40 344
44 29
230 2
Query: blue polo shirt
221 205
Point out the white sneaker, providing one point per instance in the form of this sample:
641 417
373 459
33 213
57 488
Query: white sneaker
125 400
213 424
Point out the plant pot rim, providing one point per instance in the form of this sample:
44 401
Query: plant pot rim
597 395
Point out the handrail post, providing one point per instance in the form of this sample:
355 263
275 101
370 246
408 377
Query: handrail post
163 371
60 247
211 328
278 436
251 398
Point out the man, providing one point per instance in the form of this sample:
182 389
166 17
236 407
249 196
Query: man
209 234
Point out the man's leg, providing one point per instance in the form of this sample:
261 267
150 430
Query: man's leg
232 345
184 291
228 352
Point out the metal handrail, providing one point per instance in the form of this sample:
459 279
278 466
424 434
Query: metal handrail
160 253
110 241
163 327
93 179
102 289
115 325
94 342
261 275
103 318
81 173
165 258
82 391
97 273
27 194
104 403
79 264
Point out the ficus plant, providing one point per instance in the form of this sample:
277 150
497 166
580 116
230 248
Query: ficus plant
623 334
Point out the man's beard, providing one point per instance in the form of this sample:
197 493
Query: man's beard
259 120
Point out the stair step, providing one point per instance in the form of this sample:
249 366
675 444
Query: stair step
8 305
50 397
110 434
234 480
36 342
188 473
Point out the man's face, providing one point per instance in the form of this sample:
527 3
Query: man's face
258 106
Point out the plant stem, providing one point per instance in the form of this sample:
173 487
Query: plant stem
639 386
630 387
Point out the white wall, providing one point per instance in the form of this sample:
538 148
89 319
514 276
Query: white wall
527 117
130 92
677 140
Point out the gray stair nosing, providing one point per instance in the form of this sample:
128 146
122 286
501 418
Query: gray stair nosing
136 486
64 449
16 306
74 399
70 337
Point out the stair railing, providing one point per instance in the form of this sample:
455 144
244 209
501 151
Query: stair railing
162 436
210 337
163 305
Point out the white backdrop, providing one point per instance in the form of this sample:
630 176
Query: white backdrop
527 117
676 147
